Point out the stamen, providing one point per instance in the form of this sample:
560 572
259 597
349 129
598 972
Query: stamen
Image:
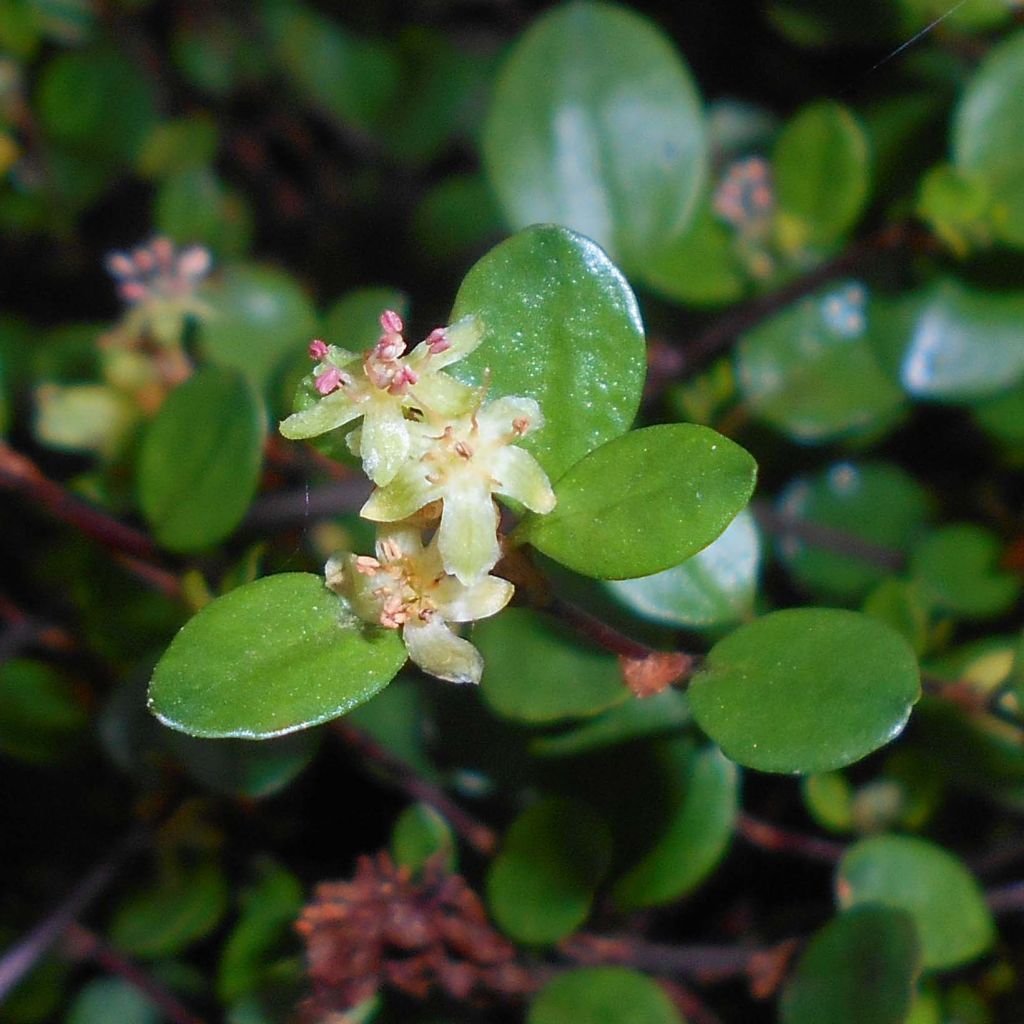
367 565
317 349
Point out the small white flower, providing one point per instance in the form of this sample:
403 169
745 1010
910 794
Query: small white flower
472 459
406 587
389 390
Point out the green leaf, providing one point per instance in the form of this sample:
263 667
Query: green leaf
541 884
829 800
596 124
715 587
420 833
536 671
261 314
704 798
603 995
104 1000
243 767
1002 417
353 321
958 569
165 920
861 968
806 690
963 343
193 205
665 712
699 267
179 145
988 133
872 503
822 172
644 502
40 713
943 898
811 371
903 605
457 215
269 658
269 908
561 325
200 460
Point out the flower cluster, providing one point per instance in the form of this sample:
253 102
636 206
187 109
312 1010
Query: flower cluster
438 454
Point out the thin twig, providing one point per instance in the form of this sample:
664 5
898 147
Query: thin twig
24 955
85 945
766 836
479 836
283 509
1007 899
722 333
599 633
691 1006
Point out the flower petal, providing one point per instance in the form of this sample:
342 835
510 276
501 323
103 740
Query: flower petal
437 650
459 603
407 493
463 337
468 534
384 443
328 413
517 474
438 393
498 420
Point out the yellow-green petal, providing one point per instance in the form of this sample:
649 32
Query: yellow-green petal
328 413
467 537
459 603
384 441
517 474
407 493
438 651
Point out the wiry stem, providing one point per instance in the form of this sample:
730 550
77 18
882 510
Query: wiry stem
766 836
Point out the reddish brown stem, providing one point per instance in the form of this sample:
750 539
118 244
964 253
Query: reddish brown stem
84 945
475 833
766 836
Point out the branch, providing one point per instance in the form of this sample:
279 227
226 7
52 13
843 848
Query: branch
721 334
1007 899
85 945
766 836
283 509
24 955
476 834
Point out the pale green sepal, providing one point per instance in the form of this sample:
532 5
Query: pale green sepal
384 442
407 493
517 474
437 650
328 413
468 535
444 396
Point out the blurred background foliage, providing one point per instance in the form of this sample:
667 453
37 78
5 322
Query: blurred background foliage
821 208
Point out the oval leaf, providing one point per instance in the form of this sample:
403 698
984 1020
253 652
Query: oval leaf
644 502
861 968
821 171
931 885
714 588
806 690
603 995
537 671
541 885
988 133
268 658
596 124
200 460
561 325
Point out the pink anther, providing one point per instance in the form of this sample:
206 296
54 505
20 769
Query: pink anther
437 341
391 322
329 380
317 349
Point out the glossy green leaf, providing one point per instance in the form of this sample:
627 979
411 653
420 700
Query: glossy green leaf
261 315
811 371
268 658
903 605
715 587
699 267
165 920
200 460
829 799
561 325
179 145
958 568
537 671
269 909
596 124
861 968
541 884
931 885
193 205
40 713
644 502
964 343
243 767
104 1000
419 835
1002 416
988 133
458 215
806 690
822 171
704 799
665 712
875 506
603 995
